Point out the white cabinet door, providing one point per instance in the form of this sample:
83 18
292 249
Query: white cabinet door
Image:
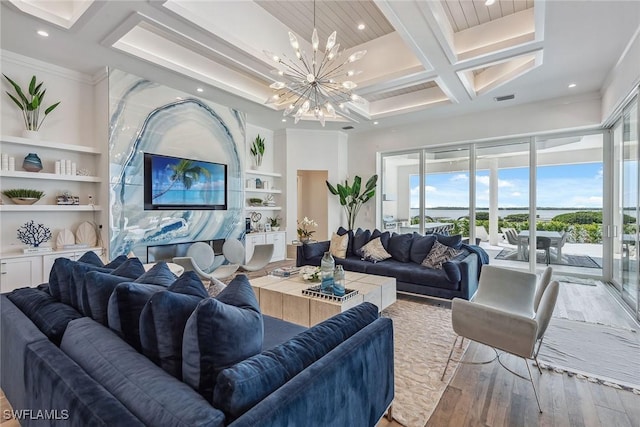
279 245
251 240
20 272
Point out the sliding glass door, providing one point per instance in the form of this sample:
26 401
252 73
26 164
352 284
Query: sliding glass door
569 203
626 263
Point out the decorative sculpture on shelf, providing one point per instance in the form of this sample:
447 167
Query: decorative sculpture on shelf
33 235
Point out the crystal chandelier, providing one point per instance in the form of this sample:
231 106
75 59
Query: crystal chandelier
315 83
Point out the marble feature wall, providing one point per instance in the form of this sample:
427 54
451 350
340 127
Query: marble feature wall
148 117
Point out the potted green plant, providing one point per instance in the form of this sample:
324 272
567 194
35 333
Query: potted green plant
23 196
30 103
275 222
351 197
257 150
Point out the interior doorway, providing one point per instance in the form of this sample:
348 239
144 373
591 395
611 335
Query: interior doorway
313 200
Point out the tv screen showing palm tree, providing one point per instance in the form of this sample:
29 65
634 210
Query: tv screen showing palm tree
173 183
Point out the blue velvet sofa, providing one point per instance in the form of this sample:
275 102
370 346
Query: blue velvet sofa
65 363
458 277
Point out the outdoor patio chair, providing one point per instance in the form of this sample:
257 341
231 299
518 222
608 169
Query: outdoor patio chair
481 233
560 244
509 312
511 235
544 243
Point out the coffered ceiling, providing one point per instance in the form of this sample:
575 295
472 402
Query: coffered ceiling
425 59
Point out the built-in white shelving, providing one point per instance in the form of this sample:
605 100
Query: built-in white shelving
263 208
49 144
256 172
49 208
48 176
262 190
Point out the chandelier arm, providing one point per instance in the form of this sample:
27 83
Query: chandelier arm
323 62
295 68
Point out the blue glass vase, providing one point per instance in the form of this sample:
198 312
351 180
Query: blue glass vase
32 163
327 265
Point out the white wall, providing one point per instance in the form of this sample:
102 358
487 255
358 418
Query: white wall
540 117
312 150
622 80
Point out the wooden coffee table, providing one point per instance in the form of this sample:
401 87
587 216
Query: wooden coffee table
282 297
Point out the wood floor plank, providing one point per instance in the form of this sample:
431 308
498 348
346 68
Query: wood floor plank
447 407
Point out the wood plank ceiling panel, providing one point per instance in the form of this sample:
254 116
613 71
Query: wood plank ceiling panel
331 15
403 91
464 14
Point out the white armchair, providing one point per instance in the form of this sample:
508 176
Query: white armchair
509 312
199 259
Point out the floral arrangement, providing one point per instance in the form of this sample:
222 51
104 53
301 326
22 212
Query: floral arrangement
31 234
310 273
303 228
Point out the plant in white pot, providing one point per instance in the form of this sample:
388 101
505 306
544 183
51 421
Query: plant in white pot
31 103
257 150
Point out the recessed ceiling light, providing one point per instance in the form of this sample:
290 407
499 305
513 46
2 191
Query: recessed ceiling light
572 85
361 27
489 2
375 123
284 120
43 33
179 98
200 89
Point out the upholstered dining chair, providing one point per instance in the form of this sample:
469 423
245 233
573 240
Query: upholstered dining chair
200 259
509 312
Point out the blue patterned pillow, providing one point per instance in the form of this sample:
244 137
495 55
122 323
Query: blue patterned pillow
221 332
49 315
163 319
124 308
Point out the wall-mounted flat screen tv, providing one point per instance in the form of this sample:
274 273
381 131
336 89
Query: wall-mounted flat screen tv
174 183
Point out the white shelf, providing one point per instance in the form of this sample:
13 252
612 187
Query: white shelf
261 190
50 144
49 208
263 208
255 172
48 176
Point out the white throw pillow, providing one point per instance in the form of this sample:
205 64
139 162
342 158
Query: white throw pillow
338 246
374 251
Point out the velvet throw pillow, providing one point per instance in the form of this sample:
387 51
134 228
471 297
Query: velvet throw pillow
384 237
438 255
454 241
124 308
163 319
338 245
159 274
421 246
61 283
374 251
221 332
360 238
400 247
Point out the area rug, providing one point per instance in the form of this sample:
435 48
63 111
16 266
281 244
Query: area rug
601 353
422 340
567 259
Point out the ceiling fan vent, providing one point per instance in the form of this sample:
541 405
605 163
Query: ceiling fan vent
504 98
347 127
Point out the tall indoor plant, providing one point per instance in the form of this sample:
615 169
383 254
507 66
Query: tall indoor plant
353 196
30 103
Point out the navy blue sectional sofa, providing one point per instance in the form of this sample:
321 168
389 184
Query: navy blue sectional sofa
167 354
458 277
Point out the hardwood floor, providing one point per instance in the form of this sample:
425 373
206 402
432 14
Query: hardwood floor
488 395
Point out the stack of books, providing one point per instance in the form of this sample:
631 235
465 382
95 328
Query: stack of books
285 271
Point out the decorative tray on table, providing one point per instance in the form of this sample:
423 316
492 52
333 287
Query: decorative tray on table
314 291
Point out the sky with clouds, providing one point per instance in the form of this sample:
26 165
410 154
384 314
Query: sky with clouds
563 186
